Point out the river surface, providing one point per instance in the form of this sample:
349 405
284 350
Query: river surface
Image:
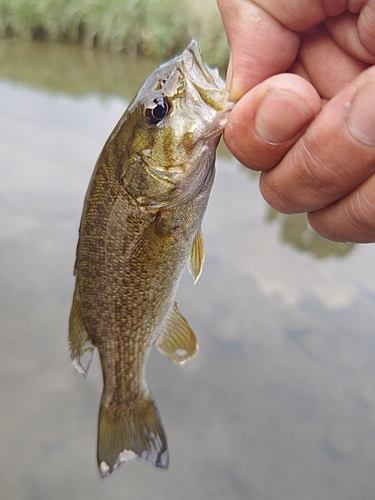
279 403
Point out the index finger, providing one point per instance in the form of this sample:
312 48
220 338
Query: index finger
263 36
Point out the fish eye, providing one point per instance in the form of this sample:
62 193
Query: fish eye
156 114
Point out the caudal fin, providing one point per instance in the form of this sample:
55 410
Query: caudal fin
134 432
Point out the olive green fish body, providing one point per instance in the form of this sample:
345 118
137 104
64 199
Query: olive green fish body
140 224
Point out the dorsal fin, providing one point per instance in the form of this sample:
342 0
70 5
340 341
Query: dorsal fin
197 256
177 340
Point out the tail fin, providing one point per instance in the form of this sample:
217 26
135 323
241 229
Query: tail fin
133 432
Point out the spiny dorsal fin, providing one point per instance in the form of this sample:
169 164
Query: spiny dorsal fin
197 256
81 348
177 340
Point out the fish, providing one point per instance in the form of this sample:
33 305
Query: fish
140 225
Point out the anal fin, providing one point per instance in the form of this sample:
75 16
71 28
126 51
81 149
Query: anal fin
177 339
81 347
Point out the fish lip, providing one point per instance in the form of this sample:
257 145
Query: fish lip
197 69
205 80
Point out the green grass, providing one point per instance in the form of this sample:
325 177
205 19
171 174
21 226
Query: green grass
158 28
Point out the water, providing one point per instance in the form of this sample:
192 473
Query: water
280 400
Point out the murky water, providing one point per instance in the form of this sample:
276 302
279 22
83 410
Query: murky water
280 401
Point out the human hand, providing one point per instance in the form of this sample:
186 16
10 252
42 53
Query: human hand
303 74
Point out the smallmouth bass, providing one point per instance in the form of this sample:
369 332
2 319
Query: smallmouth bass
141 223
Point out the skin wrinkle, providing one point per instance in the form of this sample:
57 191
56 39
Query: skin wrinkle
358 212
355 6
347 210
327 65
366 28
326 175
314 177
334 7
274 192
331 176
362 205
308 13
344 31
323 225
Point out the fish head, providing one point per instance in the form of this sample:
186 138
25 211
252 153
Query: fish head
177 119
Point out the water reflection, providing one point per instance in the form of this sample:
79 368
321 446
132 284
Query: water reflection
280 401
72 69
296 231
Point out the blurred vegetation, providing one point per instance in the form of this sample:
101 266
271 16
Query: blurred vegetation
296 231
157 28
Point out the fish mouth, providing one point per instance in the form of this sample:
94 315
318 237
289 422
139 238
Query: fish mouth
205 80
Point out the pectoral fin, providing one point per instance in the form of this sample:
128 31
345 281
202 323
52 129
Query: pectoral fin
157 233
177 340
197 256
81 347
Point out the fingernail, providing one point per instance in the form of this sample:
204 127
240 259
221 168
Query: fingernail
281 116
361 115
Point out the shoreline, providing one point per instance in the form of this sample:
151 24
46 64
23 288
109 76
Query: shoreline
136 27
